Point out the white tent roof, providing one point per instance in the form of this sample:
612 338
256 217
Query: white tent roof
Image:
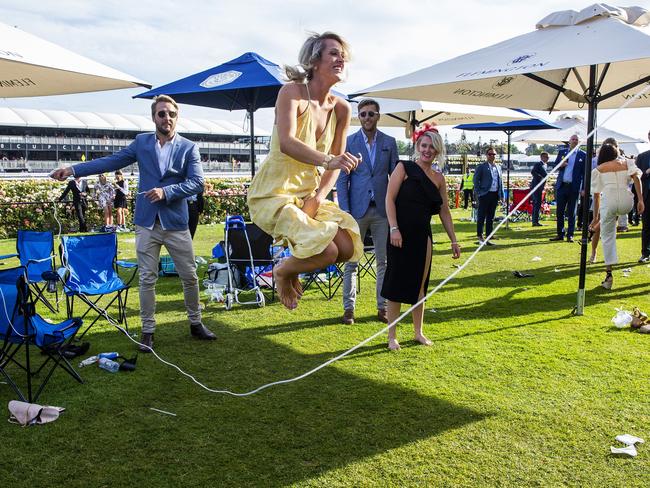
570 125
62 119
31 66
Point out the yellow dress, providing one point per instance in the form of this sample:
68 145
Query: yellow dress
276 195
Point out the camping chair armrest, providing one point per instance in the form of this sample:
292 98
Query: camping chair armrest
7 256
128 265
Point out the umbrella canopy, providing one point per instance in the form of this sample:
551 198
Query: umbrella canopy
411 113
32 67
597 57
547 69
566 127
246 83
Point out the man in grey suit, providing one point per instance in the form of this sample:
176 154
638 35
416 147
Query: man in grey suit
169 172
362 193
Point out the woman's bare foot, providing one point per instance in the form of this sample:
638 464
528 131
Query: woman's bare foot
297 286
393 345
286 292
423 340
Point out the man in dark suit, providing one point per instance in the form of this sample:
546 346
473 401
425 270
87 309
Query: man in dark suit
362 193
567 188
488 187
79 189
539 173
169 172
643 163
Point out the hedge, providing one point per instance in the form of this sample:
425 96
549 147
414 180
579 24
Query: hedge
29 204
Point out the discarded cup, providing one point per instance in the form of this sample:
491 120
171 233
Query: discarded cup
627 450
629 439
536 258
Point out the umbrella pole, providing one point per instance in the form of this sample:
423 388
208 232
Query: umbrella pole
251 114
591 123
508 181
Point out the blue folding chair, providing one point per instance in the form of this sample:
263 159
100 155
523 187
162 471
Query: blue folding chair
35 250
90 272
22 328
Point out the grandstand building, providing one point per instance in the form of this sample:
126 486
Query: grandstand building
38 141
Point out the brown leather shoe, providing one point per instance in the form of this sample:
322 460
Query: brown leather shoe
382 315
146 342
200 331
348 317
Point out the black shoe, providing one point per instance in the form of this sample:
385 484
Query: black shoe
644 259
200 331
146 342
569 239
557 238
538 225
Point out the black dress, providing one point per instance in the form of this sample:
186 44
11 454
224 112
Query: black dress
120 197
417 200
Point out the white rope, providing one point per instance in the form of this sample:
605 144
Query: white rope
406 312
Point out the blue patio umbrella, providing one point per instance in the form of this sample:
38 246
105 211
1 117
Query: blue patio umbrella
509 128
246 83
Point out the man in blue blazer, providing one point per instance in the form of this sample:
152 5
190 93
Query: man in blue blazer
643 163
488 188
362 193
567 188
169 172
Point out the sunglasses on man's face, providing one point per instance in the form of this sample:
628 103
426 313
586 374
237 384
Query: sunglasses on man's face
491 154
370 113
161 114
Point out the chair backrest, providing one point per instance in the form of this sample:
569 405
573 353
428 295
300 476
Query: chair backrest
37 246
518 195
89 259
260 243
10 312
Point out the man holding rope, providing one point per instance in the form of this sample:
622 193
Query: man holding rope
170 171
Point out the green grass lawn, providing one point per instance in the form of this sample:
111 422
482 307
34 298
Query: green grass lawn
515 391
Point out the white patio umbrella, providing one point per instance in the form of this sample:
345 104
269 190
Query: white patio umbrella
31 66
597 57
411 113
569 125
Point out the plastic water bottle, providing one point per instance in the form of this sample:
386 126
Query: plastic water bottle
108 355
88 361
109 365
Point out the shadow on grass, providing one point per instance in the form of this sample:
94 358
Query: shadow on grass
283 435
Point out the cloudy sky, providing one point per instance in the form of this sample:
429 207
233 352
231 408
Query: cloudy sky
161 41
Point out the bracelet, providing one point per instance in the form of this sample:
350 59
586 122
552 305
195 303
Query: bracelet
393 229
326 162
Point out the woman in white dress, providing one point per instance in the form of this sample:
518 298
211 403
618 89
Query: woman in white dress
610 186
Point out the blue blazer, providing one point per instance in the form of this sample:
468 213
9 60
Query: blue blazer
578 170
353 190
182 179
483 180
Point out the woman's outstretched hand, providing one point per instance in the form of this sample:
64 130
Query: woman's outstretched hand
346 162
455 249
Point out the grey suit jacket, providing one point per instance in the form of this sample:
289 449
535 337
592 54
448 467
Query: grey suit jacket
353 190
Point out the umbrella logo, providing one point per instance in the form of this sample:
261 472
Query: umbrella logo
521 59
220 79
503 82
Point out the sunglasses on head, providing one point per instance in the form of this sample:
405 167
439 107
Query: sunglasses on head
370 113
161 114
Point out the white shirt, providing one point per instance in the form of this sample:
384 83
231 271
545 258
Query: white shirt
164 153
495 177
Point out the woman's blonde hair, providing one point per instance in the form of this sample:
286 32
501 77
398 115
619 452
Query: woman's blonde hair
310 53
438 145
